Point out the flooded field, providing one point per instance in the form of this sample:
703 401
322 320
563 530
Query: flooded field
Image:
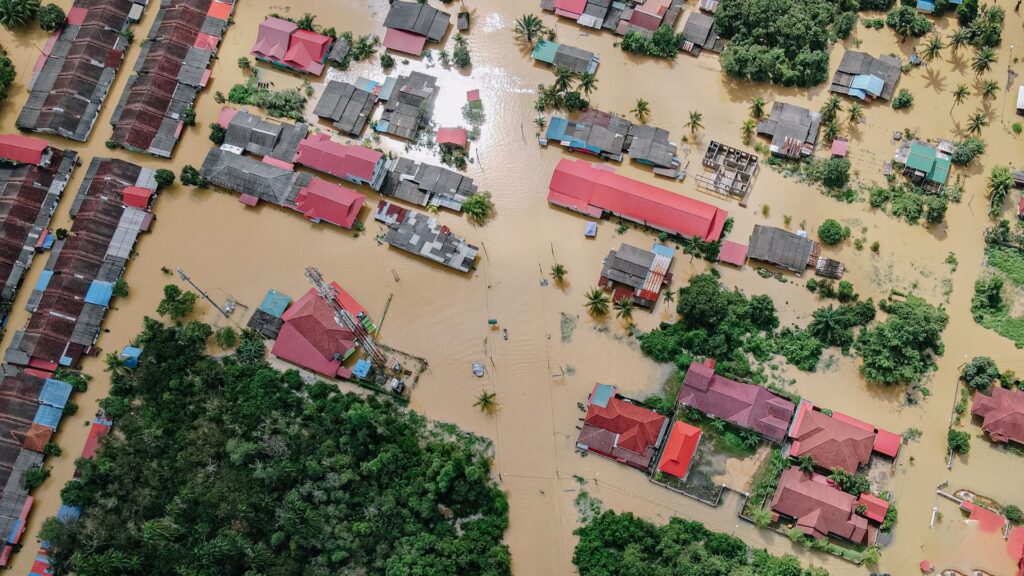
230 249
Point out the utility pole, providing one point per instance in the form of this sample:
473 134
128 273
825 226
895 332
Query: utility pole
202 292
345 319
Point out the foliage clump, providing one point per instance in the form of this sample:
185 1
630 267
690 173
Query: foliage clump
900 349
663 43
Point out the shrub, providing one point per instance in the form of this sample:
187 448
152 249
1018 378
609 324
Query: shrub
7 74
164 178
958 441
51 17
52 449
967 150
903 100
460 54
120 289
190 176
35 477
226 337
831 232
1017 128
1013 514
387 61
980 373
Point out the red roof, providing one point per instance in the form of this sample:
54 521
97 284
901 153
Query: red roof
405 42
225 116
311 338
1016 548
575 7
206 42
1002 414
307 51
819 508
679 449
886 443
830 442
583 187
273 37
97 431
637 427
875 506
278 163
733 253
76 16
322 200
22 149
839 147
136 196
452 137
249 199
746 405
987 520
321 153
220 10
473 95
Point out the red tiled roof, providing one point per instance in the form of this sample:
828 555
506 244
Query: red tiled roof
886 443
831 442
473 95
637 428
452 137
322 200
733 253
272 38
583 187
219 10
679 449
22 149
745 405
321 153
311 338
875 506
307 51
819 508
839 147
97 432
36 437
404 42
987 520
1002 414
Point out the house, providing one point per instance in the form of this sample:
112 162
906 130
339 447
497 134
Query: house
616 428
594 191
700 34
924 164
792 129
594 132
407 104
423 236
680 448
819 509
652 146
637 274
875 508
172 67
783 248
243 174
840 146
71 79
245 132
452 138
639 16
745 405
830 442
285 45
347 106
426 185
18 149
1002 414
411 24
865 77
575 59
311 338
733 253
320 200
357 164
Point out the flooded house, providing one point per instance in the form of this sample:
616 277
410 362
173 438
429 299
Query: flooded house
422 235
924 164
410 25
819 509
594 191
426 185
700 34
680 449
76 68
357 164
173 66
33 176
408 103
609 136
865 77
248 133
71 297
347 106
728 171
310 336
617 428
783 248
562 55
838 441
639 16
453 138
1001 413
793 130
283 44
637 274
746 405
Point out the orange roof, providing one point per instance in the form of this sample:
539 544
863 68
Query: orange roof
219 10
680 449
36 437
876 507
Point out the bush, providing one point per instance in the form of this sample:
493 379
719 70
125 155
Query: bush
52 449
176 303
34 477
7 74
120 289
967 150
51 17
1013 514
217 133
387 61
899 350
664 43
903 100
905 21
460 54
190 176
980 373
226 337
831 232
958 441
163 177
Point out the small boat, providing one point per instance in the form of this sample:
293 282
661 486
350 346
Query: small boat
478 369
504 333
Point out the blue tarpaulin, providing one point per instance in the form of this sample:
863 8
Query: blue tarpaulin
44 280
602 394
868 83
68 513
362 368
99 293
591 230
48 416
48 241
275 303
55 393
925 6
662 250
130 356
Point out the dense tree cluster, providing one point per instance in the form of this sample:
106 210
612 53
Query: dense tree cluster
899 350
231 467
623 545
663 43
782 41
967 150
980 373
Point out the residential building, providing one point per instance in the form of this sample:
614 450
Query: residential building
783 248
819 509
616 428
865 77
423 236
562 55
322 201
408 103
245 132
639 16
452 138
1001 413
609 135
700 34
637 274
426 184
412 24
357 164
792 129
830 442
680 449
310 336
283 44
348 107
924 164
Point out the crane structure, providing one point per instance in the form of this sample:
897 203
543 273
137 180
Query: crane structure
346 320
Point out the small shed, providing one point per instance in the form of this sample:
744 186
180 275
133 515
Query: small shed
733 253
275 303
591 230
362 368
130 356
840 147
453 137
473 95
136 196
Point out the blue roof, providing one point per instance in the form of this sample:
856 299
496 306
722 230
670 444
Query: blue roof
556 128
925 6
602 394
44 280
55 393
131 352
662 250
387 88
99 293
857 94
48 416
48 241
68 513
591 229
362 368
275 303
366 84
868 83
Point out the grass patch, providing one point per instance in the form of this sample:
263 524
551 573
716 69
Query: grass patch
726 438
1007 260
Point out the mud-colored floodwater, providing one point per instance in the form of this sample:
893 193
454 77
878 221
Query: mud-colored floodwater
233 250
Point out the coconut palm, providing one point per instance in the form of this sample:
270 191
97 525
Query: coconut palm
694 123
642 110
748 130
827 325
529 28
564 79
831 107
989 89
487 402
983 60
856 113
306 22
587 83
757 107
597 302
670 296
976 122
691 245
959 95
559 272
1000 182
831 130
958 39
17 13
933 48
624 309
806 464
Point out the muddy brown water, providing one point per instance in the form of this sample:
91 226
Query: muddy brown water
442 316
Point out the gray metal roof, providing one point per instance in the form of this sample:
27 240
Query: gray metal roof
409 105
422 184
861 63
628 265
422 235
349 107
652 145
418 18
700 29
780 247
247 175
575 59
250 133
788 121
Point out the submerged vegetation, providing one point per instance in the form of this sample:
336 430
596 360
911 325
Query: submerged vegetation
663 43
289 103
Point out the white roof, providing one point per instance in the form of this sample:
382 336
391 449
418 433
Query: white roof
1020 98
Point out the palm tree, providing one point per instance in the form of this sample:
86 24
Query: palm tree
694 123
691 245
983 60
553 96
564 79
856 113
487 402
597 302
831 107
959 39
642 110
806 464
748 130
529 28
989 89
1000 182
558 273
17 13
933 48
959 95
757 107
624 309
306 22
826 325
587 83
670 296
831 130
976 122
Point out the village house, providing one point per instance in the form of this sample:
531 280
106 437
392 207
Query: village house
423 236
562 55
1001 413
819 509
310 336
789 251
925 165
838 441
245 132
746 405
410 25
454 138
408 102
616 428
865 77
347 106
792 129
639 16
680 449
427 185
357 164
700 34
609 135
283 44
637 274
594 191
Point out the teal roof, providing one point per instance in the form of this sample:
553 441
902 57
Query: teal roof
924 158
545 51
275 303
940 172
602 394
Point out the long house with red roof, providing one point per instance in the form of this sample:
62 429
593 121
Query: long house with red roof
616 428
596 191
838 441
172 68
357 164
819 509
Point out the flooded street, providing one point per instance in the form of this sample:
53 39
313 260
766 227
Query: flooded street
230 249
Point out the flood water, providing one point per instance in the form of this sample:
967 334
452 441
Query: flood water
229 249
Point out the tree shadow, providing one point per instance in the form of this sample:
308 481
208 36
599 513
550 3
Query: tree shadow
935 80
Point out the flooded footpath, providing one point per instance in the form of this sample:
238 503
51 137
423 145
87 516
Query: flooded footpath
539 376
